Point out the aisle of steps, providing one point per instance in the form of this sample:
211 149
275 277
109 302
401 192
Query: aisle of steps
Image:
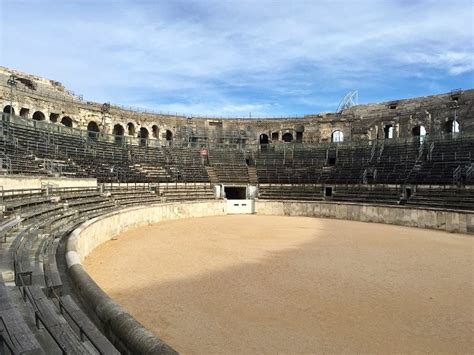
229 165
252 172
212 175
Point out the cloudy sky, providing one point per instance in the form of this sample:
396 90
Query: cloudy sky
235 57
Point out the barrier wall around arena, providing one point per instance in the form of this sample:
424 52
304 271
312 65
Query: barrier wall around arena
449 221
129 334
17 182
126 333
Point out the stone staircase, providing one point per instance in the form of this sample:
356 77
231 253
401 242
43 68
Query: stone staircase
212 175
252 172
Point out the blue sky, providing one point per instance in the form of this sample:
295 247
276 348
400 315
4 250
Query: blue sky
233 57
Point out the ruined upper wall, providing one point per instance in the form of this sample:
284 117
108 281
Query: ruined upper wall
49 100
33 82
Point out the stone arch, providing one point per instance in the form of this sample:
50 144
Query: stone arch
53 117
287 137
24 112
337 136
66 121
92 130
131 129
169 135
143 135
299 133
118 132
263 138
452 126
9 109
419 131
38 116
388 131
155 131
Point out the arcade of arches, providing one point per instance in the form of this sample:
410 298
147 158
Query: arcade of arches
389 130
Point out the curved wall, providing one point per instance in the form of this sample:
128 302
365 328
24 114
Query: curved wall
122 329
98 230
449 221
129 335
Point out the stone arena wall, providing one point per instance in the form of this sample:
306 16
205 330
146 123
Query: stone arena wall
449 221
129 334
19 182
126 333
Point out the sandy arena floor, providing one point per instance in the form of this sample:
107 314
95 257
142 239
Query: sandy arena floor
261 284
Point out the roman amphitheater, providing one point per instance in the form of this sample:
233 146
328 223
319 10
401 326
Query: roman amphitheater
135 232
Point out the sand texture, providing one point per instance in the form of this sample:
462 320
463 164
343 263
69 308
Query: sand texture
265 284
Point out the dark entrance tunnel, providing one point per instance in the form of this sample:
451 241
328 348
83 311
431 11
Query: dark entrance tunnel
235 192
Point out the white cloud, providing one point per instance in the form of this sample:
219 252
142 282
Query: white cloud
267 54
454 63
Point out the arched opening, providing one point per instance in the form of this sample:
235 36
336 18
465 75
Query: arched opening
9 109
143 135
39 116
66 121
419 131
93 130
299 137
452 126
287 137
169 135
53 117
155 131
337 137
274 136
388 131
263 139
131 129
456 128
24 112
118 132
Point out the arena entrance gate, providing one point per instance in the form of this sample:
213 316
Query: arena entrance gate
237 200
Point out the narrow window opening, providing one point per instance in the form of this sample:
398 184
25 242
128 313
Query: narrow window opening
337 137
328 191
388 131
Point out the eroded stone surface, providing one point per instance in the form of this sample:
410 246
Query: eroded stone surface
50 100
